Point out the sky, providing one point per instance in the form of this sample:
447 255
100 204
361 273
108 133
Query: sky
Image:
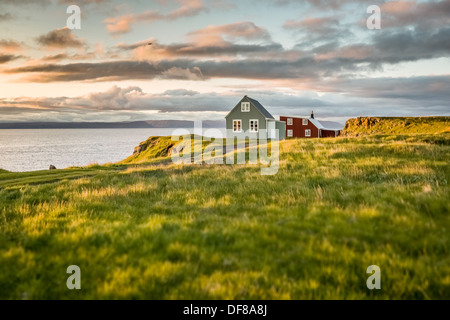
195 59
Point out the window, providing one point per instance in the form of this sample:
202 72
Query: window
237 125
307 132
290 133
289 121
245 107
253 125
305 122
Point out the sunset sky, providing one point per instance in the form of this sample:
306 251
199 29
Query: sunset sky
293 56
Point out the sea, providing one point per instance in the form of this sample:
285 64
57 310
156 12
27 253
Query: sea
36 149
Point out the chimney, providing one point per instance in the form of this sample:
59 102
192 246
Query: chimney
312 114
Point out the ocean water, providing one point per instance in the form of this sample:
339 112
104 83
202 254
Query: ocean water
36 149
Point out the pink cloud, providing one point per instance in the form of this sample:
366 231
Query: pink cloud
123 24
10 46
235 31
398 7
402 13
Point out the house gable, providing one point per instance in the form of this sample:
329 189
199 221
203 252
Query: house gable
254 104
247 119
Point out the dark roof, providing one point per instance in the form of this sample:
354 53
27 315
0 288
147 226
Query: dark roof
261 109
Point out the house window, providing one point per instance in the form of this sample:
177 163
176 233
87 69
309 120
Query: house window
307 132
289 121
290 133
305 122
237 125
245 107
253 125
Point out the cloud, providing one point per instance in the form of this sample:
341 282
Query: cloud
5 58
60 38
113 99
263 61
110 71
341 99
177 73
419 89
424 14
55 57
123 24
5 17
246 30
188 8
410 45
177 69
25 2
317 25
83 2
223 41
49 2
227 50
11 46
325 4
127 47
180 92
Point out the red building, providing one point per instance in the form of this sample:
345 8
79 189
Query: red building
307 128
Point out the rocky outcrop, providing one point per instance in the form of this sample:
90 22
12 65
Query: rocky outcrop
139 149
52 167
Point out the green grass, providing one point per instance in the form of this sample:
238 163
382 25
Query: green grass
152 148
153 230
396 125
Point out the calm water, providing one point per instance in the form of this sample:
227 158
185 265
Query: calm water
29 150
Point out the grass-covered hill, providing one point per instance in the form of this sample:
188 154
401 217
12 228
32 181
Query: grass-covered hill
151 229
159 149
399 125
153 148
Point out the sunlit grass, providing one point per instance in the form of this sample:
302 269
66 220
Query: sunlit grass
165 231
397 125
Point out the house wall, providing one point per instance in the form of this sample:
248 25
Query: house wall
330 133
299 129
281 126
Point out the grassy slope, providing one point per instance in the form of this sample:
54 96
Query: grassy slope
164 231
158 149
153 148
405 125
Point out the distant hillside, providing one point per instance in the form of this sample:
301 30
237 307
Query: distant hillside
396 125
3 171
112 125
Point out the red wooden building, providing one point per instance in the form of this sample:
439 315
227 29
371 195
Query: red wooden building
307 128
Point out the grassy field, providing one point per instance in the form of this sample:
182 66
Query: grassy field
396 125
149 229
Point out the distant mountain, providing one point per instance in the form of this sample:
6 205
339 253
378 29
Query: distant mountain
112 125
